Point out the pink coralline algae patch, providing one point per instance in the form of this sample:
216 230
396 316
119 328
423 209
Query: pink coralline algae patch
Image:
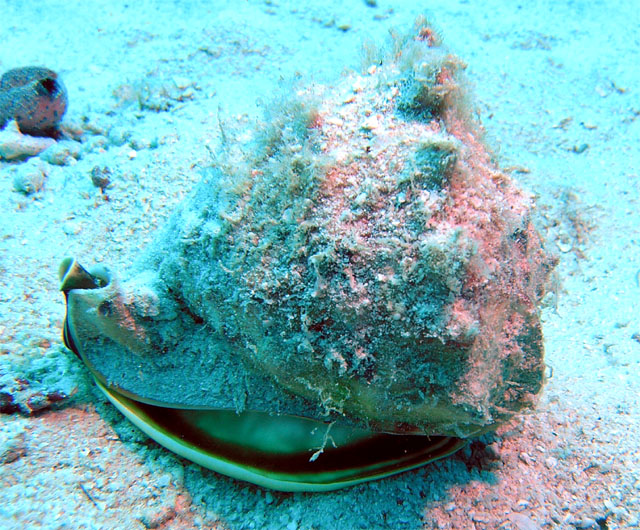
415 203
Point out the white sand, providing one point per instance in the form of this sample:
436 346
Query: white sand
559 93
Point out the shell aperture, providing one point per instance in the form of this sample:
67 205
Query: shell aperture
218 440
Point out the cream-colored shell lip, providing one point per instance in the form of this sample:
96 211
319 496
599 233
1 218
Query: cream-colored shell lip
282 453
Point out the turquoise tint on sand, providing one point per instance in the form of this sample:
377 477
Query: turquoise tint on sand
151 83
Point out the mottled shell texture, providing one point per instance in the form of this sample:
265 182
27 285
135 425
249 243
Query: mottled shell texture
360 257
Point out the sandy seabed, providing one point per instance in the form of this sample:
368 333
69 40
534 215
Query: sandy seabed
148 84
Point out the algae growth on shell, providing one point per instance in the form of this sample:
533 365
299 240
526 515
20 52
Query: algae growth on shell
360 258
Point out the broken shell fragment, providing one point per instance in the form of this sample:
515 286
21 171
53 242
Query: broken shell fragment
355 288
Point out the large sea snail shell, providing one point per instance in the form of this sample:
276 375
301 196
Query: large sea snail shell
280 451
359 278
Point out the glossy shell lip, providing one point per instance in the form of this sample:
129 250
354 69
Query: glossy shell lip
283 452
278 453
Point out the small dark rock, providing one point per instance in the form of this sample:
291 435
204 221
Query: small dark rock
101 177
7 405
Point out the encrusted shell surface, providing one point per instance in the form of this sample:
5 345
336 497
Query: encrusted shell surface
361 257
